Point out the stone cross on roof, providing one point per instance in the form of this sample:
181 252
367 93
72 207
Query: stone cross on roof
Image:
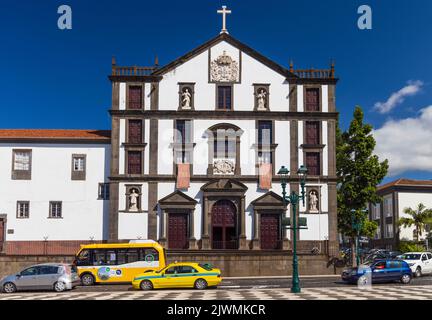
224 12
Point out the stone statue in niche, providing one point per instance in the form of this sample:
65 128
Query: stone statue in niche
224 69
186 99
223 166
262 100
133 200
313 201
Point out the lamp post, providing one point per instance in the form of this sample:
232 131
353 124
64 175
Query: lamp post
294 199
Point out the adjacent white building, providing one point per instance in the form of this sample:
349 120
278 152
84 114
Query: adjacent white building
396 196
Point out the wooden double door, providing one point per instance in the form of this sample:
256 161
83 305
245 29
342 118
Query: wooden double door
270 228
224 225
178 230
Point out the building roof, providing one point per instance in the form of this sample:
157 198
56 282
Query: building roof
405 183
52 135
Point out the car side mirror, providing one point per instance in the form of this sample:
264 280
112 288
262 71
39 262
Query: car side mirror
162 274
19 275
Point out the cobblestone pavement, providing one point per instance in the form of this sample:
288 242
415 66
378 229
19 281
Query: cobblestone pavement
346 293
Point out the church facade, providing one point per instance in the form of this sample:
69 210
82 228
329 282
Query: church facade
191 160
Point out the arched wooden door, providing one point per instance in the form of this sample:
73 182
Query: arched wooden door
224 225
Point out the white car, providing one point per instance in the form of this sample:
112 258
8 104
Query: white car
419 262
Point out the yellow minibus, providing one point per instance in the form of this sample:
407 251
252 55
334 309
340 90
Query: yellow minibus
120 262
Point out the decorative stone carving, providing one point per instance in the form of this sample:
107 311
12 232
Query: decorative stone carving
224 69
262 100
223 166
133 201
313 201
186 99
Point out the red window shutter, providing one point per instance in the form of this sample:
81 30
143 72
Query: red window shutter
135 97
135 131
312 132
313 163
134 162
312 99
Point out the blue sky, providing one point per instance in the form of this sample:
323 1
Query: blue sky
58 79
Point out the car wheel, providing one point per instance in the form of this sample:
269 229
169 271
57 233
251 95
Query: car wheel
9 287
362 281
146 285
418 272
59 286
87 279
200 284
406 278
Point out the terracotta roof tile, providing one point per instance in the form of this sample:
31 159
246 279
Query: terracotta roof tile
405 182
65 134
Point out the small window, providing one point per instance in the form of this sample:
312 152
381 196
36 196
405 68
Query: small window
21 164
187 269
265 133
104 191
312 132
312 99
224 97
135 131
99 257
78 167
32 271
135 97
313 163
83 258
134 162
45 270
172 270
55 209
23 209
149 255
111 257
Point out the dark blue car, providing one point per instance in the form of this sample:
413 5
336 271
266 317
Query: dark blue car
379 271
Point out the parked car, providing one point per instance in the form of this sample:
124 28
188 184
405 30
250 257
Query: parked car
179 275
419 262
50 276
387 270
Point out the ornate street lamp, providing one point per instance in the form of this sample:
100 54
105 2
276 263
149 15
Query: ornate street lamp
294 199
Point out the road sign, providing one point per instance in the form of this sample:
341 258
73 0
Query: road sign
364 240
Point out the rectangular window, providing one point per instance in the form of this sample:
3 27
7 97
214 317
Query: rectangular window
378 233
134 162
135 131
78 163
135 95
312 99
224 97
183 137
313 163
224 147
23 209
389 230
21 164
265 133
388 208
55 209
78 167
312 132
104 191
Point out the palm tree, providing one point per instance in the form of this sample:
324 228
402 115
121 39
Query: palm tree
419 218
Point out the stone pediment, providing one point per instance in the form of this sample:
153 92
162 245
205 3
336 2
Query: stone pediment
224 185
178 199
270 199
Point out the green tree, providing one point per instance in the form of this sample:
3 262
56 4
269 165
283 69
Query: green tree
419 218
359 172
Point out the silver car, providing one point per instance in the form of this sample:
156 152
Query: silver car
50 276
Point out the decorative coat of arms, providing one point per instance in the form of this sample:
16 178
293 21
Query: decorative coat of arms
224 69
223 166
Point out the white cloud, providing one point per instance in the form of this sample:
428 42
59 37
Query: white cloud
406 143
412 88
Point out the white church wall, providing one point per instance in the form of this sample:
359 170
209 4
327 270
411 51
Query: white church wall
317 227
300 142
252 71
324 89
165 151
122 96
282 136
122 139
51 181
300 105
325 149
